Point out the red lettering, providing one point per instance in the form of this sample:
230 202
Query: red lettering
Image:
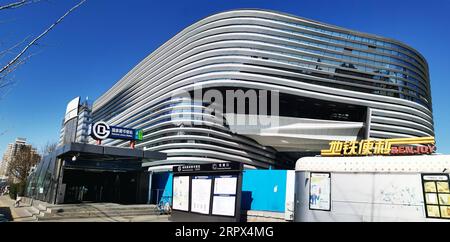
409 150
394 151
413 150
432 148
423 149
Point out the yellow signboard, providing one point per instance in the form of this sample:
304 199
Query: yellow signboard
404 146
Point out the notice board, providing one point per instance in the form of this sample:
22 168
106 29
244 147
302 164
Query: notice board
207 193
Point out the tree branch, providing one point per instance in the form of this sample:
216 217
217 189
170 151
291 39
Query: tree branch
5 82
5 51
11 69
22 162
17 4
35 40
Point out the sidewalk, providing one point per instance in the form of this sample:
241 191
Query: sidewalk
20 214
140 219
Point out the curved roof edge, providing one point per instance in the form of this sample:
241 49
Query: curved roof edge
395 41
96 105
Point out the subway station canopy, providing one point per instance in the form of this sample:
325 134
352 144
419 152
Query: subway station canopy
108 174
103 157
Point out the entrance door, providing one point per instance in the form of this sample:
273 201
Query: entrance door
102 186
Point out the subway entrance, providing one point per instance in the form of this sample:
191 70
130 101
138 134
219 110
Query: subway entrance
85 173
99 186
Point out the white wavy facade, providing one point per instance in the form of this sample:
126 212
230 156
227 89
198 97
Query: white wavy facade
313 65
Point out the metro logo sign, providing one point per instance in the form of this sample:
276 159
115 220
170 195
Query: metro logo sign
404 146
102 131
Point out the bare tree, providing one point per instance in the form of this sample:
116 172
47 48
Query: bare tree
20 166
26 44
48 148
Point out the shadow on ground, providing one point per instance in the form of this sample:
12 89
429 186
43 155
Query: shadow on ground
5 214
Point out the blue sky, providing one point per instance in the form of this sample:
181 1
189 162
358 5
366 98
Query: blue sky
103 40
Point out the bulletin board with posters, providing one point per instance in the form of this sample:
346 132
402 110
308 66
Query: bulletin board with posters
436 190
201 194
320 191
207 193
180 199
224 197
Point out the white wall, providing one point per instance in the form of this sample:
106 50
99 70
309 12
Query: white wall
290 196
365 197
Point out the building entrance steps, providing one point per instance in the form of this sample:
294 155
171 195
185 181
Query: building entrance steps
96 211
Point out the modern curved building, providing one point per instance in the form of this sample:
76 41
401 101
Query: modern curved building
331 84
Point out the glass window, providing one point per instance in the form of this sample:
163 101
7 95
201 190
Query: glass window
445 211
437 195
431 198
433 211
444 199
443 187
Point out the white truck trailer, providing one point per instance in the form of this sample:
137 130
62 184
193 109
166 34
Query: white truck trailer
373 189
